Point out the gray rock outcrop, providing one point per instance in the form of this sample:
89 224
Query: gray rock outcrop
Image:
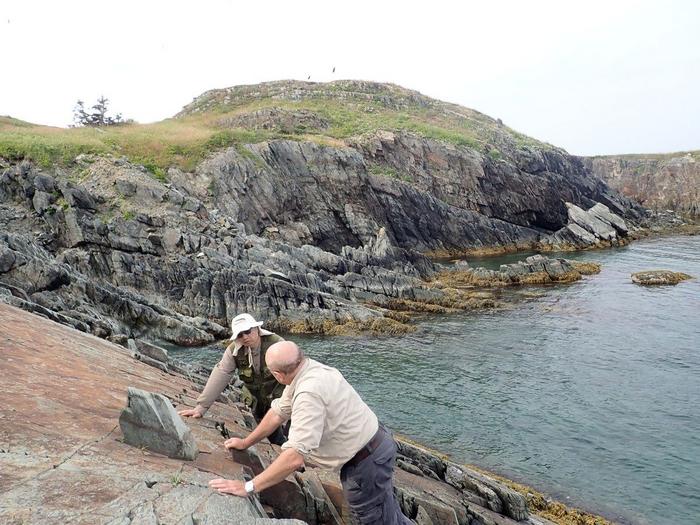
595 227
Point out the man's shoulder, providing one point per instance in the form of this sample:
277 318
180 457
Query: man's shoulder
316 375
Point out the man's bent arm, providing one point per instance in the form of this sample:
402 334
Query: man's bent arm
286 463
267 426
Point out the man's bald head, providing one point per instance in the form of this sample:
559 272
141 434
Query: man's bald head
284 357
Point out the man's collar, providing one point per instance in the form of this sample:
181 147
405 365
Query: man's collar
304 365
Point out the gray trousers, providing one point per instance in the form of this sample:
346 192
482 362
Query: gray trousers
368 486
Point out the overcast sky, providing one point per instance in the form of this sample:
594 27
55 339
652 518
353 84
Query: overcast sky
594 77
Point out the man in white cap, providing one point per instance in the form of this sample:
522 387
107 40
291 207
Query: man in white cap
247 354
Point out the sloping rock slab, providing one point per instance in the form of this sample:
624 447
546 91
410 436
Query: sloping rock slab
62 458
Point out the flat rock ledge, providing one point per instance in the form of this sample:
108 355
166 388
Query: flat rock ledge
658 277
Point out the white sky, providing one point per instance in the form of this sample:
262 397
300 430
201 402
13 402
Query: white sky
594 77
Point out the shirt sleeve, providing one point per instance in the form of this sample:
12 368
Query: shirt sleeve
218 380
307 425
282 406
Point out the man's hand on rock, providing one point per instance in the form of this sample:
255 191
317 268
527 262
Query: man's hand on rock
236 443
195 412
229 486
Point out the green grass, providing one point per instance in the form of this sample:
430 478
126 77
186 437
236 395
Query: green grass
181 143
185 141
651 156
494 154
388 171
61 203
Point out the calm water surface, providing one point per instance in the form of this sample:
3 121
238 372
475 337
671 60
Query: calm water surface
589 391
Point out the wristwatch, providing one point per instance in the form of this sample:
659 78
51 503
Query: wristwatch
249 487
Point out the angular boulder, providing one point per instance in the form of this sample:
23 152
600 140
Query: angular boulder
150 421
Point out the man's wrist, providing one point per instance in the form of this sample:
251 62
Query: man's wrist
249 487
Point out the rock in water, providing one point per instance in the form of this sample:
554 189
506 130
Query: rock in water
651 277
150 421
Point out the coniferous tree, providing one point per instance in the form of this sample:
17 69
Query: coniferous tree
97 116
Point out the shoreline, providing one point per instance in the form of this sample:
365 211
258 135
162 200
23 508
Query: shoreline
539 503
493 252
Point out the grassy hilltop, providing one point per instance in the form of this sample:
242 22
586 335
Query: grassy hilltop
326 113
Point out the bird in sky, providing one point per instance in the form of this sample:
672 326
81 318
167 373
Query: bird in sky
333 69
308 78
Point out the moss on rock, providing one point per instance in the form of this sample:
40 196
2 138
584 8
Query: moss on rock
586 268
657 277
377 325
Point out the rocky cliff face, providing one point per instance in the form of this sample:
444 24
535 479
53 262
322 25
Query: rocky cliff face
659 182
303 233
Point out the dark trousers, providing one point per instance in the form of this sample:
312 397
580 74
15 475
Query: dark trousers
368 486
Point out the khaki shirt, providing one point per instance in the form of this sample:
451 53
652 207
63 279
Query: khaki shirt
330 422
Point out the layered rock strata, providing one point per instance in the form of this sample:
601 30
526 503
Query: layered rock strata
305 237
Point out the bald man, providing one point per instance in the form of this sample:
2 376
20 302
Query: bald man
330 426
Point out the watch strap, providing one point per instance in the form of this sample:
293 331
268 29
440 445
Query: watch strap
249 487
